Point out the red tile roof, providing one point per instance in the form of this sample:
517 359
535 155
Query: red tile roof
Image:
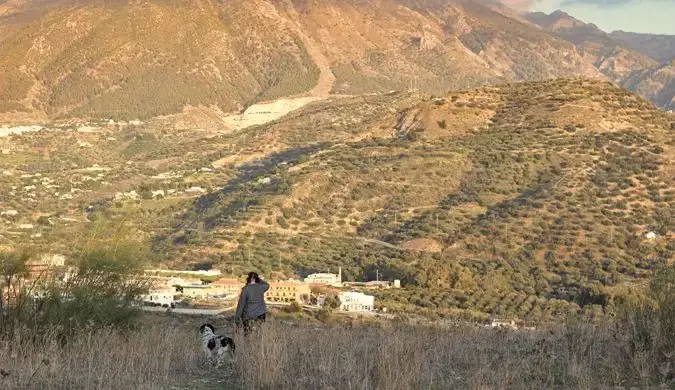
228 282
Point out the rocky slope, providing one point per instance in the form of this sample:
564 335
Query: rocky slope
139 59
638 62
658 47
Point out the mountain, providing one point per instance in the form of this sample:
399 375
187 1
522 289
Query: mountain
656 83
139 59
528 200
659 47
629 61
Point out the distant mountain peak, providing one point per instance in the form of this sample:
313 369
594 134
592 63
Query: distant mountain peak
558 20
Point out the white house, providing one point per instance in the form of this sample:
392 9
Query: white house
325 278
356 301
54 260
195 190
158 194
651 236
160 297
502 323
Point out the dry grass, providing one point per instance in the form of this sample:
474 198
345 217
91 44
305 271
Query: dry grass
149 358
403 357
166 353
637 349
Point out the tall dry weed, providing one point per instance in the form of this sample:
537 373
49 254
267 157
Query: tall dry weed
150 358
576 355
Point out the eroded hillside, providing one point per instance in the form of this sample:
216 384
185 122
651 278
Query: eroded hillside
128 59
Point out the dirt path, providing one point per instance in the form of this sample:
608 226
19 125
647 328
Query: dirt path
379 242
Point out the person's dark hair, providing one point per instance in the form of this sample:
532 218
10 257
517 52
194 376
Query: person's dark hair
252 276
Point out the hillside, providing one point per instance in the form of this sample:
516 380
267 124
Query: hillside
659 47
611 58
638 62
656 83
528 199
128 60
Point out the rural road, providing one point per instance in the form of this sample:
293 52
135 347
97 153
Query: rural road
205 312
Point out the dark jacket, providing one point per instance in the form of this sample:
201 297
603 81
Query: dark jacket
252 301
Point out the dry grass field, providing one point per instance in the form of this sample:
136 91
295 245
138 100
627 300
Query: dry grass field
165 352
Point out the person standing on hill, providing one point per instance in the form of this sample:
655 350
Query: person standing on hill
251 309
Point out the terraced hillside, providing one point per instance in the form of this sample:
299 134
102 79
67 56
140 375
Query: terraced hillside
529 199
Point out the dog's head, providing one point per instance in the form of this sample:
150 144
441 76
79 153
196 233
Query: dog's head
207 329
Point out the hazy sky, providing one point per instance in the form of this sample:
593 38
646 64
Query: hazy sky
648 16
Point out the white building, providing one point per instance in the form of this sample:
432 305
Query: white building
195 190
325 278
356 301
160 297
651 236
54 260
502 323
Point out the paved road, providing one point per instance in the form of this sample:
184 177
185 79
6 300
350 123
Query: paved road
378 242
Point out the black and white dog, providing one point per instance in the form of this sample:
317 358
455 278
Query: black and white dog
215 346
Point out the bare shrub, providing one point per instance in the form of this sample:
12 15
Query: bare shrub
96 293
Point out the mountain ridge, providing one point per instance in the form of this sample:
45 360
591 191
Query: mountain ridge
626 59
112 59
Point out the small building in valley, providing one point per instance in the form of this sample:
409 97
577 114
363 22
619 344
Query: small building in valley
288 292
196 291
325 278
45 266
227 286
502 323
160 297
356 301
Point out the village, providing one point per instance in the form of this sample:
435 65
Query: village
210 292
188 289
205 291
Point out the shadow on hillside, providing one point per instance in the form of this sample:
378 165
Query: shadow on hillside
252 182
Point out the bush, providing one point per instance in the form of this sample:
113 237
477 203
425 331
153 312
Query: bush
282 222
646 325
98 293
